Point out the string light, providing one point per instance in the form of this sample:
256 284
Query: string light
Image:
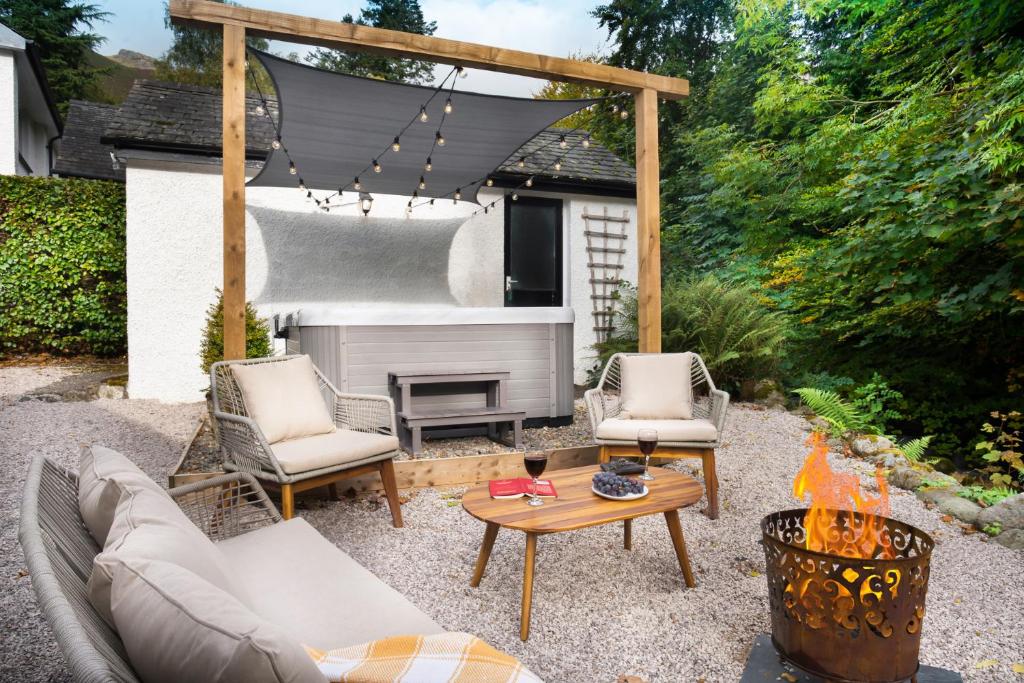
260 111
396 145
291 168
515 197
423 183
423 115
439 139
276 143
462 71
429 166
529 181
586 141
448 106
624 114
490 182
376 166
302 185
562 143
458 195
522 162
356 185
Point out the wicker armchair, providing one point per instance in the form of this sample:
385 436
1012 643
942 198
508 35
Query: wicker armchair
709 406
246 449
59 552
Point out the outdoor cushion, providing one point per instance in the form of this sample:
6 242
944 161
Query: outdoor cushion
656 386
102 476
320 596
282 397
152 527
328 450
699 430
176 627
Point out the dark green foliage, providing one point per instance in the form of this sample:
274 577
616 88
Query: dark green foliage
58 29
736 335
62 266
396 15
257 334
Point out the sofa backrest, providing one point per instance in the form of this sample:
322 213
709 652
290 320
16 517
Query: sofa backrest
59 552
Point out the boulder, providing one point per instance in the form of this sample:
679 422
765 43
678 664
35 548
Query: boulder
888 460
1012 539
820 424
114 391
869 445
959 507
912 478
937 495
1008 513
768 392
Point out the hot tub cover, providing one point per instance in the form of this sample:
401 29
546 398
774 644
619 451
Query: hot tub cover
334 125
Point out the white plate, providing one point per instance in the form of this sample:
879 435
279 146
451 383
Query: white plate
632 496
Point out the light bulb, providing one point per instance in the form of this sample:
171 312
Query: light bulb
260 111
327 200
558 165
485 209
458 193
357 185
396 145
291 168
276 144
562 143
462 72
376 166
302 185
615 109
423 115
415 194
439 139
529 181
586 141
423 183
515 197
623 114
490 182
448 106
522 162
309 195
429 166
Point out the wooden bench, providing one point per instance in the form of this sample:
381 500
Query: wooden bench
496 414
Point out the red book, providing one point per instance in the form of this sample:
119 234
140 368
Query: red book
517 488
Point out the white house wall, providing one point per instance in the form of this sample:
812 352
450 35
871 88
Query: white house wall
8 113
297 255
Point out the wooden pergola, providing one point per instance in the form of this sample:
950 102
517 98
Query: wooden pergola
236 22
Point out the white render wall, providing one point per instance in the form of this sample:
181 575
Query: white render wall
8 113
442 256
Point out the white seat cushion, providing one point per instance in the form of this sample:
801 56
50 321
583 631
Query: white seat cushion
698 431
329 450
320 596
283 398
177 627
152 527
657 386
103 475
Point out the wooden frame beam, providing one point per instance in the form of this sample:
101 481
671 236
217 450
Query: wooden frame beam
648 223
234 191
337 34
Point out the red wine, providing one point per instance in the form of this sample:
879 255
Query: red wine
535 464
647 446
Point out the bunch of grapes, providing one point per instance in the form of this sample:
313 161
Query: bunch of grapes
612 484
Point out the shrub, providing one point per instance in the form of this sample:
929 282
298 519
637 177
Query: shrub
257 334
736 335
62 266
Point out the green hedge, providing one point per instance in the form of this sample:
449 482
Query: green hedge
62 266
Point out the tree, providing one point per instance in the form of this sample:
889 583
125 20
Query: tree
396 15
196 56
58 29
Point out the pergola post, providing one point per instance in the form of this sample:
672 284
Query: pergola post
234 191
648 223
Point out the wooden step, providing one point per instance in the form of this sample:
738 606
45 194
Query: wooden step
614 266
610 219
609 235
605 281
605 250
437 417
606 297
604 329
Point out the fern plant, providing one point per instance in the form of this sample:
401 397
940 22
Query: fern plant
830 406
913 450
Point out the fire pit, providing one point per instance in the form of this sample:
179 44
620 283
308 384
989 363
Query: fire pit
841 617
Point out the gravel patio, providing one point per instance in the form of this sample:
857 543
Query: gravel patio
599 611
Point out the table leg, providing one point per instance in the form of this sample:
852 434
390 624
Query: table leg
490 534
675 530
627 534
531 555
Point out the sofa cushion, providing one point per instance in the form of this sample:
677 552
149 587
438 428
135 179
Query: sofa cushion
282 397
147 526
320 596
103 474
175 627
669 431
656 386
328 450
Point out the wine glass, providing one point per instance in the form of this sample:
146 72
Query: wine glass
647 440
535 464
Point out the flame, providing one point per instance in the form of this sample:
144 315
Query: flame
864 537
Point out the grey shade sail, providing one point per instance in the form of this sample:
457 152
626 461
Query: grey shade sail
334 125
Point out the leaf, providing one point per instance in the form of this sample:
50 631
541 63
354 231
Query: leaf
1017 667
986 664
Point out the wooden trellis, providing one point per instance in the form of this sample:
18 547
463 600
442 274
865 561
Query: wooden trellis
606 250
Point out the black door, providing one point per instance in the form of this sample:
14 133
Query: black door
533 252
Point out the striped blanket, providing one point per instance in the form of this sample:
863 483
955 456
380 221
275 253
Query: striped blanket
442 658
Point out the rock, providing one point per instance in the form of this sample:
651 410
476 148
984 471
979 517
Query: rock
935 495
870 444
959 507
110 391
820 424
1012 539
888 460
1008 513
45 398
768 392
912 478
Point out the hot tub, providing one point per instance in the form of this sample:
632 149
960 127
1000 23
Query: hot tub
356 347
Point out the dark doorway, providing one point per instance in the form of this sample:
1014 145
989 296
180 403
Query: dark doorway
533 251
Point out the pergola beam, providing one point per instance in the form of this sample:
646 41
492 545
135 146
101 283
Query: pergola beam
233 132
345 36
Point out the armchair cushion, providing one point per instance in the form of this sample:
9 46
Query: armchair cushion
283 398
104 475
657 386
178 627
698 431
329 450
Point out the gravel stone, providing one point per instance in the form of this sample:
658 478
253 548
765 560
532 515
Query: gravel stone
599 612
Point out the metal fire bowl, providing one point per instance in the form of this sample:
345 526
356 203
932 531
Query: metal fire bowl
850 620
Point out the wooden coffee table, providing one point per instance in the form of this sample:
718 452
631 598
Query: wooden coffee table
578 507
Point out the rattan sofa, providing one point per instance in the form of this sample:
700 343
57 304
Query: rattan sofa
310 583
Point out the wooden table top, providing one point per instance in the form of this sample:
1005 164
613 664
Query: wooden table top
577 506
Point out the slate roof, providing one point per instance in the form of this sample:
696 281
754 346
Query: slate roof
184 118
80 153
